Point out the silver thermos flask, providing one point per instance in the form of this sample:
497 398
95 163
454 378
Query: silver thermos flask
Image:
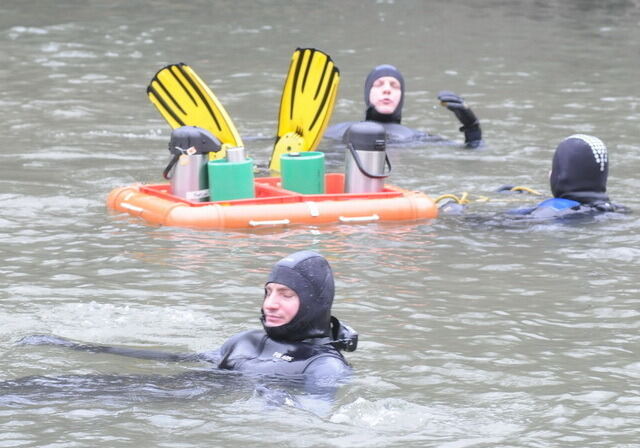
365 158
187 170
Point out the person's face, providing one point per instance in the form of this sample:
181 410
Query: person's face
385 94
280 305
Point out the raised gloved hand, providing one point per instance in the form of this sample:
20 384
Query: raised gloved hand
470 123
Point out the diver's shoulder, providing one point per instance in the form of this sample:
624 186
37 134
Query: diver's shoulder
611 207
249 337
398 133
329 362
337 131
562 207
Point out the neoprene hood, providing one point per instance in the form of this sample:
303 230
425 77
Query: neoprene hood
371 112
580 168
309 275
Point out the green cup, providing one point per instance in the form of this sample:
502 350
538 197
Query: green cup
303 172
230 180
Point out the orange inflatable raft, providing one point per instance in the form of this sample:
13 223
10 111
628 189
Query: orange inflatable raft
273 206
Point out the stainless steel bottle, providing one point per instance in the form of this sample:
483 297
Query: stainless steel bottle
365 158
187 170
189 178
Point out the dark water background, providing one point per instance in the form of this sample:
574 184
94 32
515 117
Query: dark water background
471 336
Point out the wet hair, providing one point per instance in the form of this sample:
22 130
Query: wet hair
309 275
580 169
371 112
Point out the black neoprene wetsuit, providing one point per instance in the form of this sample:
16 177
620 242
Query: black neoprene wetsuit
396 133
314 361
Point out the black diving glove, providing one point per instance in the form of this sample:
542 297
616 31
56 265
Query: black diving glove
470 123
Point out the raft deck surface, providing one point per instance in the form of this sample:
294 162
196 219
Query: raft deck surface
273 206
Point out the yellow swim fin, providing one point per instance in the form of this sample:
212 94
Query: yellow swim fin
307 103
183 99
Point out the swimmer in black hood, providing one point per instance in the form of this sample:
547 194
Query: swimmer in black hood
384 91
299 335
578 180
300 339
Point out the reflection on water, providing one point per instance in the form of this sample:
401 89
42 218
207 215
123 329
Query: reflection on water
473 333
118 390
111 389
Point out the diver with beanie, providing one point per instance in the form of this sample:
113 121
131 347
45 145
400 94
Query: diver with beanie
384 91
578 181
300 339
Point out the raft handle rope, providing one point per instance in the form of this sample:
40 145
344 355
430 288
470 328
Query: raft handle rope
373 217
275 222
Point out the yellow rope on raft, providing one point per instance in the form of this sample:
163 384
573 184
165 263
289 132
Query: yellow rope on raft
464 199
526 190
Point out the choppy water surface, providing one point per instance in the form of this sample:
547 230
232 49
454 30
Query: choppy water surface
471 335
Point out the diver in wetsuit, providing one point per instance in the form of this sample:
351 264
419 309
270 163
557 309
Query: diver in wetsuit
384 90
300 338
578 181
299 335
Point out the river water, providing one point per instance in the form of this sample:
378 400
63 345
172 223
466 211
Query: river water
472 335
